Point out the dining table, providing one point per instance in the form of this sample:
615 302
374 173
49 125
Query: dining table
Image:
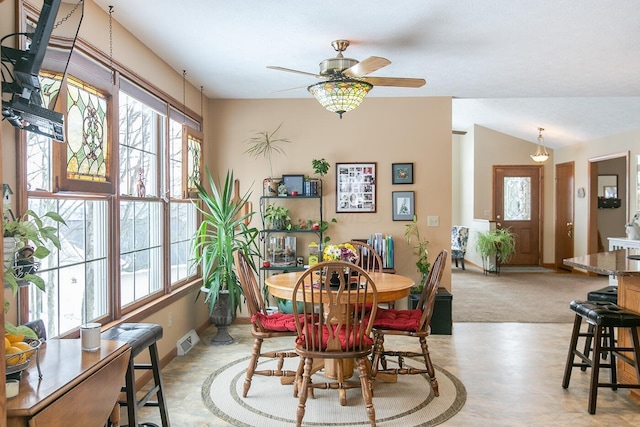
389 286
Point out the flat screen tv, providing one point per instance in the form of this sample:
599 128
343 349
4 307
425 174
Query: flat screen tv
22 101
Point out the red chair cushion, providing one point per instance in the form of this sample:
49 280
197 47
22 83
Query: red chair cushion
399 320
354 337
279 322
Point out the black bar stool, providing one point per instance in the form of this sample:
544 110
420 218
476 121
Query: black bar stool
604 316
141 336
608 294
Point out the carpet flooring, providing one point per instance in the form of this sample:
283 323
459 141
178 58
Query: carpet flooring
222 395
527 297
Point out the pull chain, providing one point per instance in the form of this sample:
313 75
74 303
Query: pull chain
111 40
57 24
184 96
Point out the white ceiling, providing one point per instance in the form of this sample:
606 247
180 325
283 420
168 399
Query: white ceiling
570 66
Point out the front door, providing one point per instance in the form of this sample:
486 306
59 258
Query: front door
517 196
565 213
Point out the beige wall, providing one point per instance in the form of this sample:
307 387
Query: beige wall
581 153
382 130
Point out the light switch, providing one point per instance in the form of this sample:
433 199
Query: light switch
433 221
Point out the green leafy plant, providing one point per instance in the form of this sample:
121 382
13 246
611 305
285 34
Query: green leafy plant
277 217
420 249
321 166
222 232
265 144
31 236
500 242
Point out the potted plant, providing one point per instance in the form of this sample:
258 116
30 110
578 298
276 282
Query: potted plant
420 249
27 236
223 230
277 217
321 166
496 247
266 144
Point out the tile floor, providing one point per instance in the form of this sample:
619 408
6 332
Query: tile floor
512 373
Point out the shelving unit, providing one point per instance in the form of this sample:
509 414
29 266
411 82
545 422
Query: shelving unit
273 242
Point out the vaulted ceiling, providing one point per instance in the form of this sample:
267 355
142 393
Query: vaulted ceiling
572 67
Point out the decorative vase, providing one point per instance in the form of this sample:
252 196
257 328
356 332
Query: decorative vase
222 316
270 186
632 233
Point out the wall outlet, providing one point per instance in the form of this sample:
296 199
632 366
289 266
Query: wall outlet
433 221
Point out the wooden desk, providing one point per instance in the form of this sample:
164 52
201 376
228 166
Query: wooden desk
616 263
77 387
390 287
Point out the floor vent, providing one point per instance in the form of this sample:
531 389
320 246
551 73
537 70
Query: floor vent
187 342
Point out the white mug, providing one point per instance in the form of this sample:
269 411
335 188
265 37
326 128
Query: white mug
90 336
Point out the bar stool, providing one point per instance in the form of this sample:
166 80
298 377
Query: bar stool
604 316
140 336
608 294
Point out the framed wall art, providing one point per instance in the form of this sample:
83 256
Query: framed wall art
356 187
294 183
403 205
402 173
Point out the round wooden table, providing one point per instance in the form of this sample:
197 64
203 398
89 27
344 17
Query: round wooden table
390 286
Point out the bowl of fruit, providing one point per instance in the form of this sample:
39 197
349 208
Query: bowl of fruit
20 351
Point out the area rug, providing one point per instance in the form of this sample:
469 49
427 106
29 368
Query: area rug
518 297
409 402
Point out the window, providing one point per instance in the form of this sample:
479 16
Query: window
124 216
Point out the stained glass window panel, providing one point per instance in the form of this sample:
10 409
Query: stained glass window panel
87 134
517 198
194 147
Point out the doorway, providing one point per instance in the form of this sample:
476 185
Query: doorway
607 220
517 204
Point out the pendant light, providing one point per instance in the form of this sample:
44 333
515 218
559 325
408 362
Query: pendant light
541 155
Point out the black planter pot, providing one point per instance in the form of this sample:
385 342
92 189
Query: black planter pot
222 316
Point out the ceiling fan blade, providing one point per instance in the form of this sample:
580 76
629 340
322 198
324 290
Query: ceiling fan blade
289 70
366 66
288 89
395 81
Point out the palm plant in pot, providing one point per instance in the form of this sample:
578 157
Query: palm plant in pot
266 144
496 247
222 232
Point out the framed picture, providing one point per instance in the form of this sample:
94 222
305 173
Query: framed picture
294 183
402 173
403 205
356 187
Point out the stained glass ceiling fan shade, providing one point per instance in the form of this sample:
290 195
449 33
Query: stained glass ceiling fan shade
340 96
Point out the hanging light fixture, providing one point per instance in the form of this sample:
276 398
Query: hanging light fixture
541 155
340 95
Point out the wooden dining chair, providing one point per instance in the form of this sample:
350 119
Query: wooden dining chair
411 323
368 258
342 332
263 325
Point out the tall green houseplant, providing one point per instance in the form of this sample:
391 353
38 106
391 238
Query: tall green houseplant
496 247
420 250
222 232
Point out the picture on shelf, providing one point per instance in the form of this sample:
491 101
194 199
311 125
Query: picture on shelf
294 184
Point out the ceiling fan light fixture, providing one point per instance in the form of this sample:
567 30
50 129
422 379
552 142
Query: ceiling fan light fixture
340 96
541 154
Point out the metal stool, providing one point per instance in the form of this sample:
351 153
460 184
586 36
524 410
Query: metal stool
604 316
140 336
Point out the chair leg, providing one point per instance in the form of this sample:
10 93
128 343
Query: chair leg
253 363
157 377
587 344
595 369
365 385
577 321
462 262
303 390
427 362
377 355
132 405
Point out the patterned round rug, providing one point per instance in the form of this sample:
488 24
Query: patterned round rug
408 402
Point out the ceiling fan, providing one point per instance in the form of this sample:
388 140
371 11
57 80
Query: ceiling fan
345 81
